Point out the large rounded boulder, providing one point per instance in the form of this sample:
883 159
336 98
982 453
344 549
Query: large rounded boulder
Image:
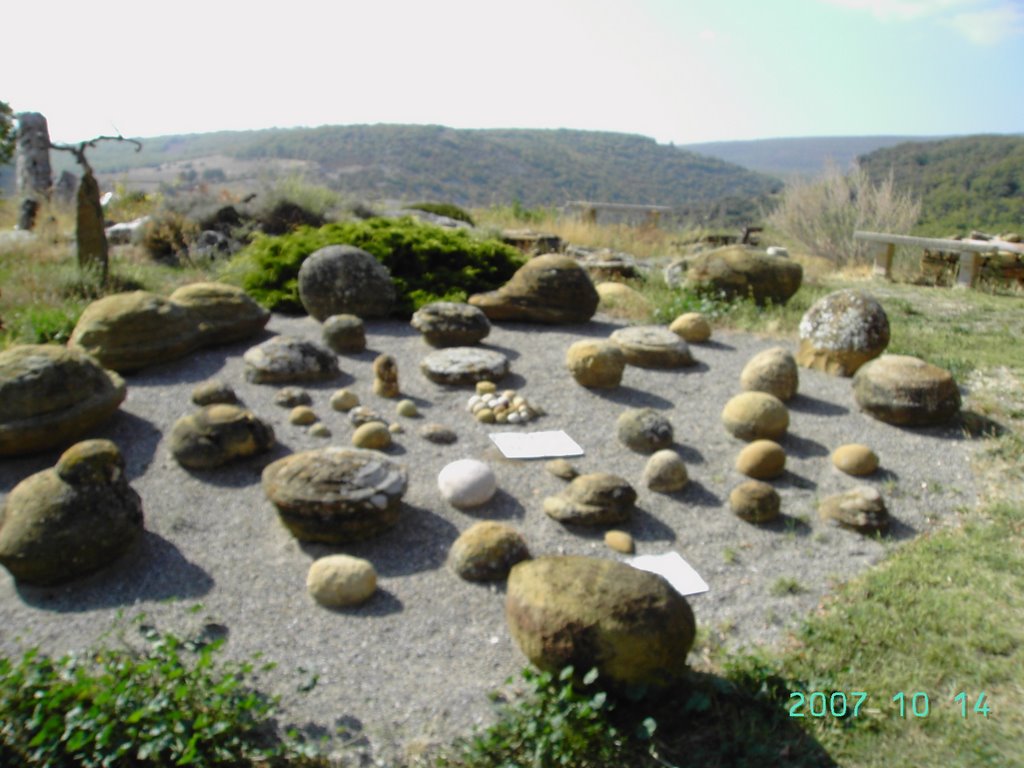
343 279
595 613
223 313
72 519
841 332
336 495
906 391
737 271
129 331
552 289
51 395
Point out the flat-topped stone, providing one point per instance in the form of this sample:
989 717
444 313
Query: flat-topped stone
336 495
906 391
51 395
652 346
218 434
286 359
451 324
224 313
464 365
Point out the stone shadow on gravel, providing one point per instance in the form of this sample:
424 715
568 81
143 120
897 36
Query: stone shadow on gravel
802 447
195 367
633 398
153 570
381 603
807 404
502 506
241 473
695 494
136 438
786 524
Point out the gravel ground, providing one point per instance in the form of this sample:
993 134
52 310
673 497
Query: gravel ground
415 663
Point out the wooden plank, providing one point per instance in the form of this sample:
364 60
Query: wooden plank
939 244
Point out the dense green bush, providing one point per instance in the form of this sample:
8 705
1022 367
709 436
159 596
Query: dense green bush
169 705
450 210
427 263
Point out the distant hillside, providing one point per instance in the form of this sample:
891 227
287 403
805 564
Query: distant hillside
973 182
467 167
796 157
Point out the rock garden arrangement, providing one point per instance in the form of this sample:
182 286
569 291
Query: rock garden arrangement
404 508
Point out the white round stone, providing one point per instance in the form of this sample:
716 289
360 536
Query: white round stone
467 483
339 581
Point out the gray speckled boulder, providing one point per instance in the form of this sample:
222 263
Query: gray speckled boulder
218 434
336 495
644 430
50 395
595 499
906 391
345 280
451 324
68 521
593 612
287 359
464 365
344 333
841 332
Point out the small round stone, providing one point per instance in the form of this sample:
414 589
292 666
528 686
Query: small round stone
344 333
485 416
407 408
344 400
341 581
467 483
290 397
620 541
855 459
596 363
644 430
762 460
438 434
486 551
755 502
691 327
214 391
562 468
302 415
319 430
395 428
861 509
665 472
373 435
486 388
773 371
755 416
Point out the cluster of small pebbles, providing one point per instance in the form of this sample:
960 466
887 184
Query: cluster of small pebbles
489 406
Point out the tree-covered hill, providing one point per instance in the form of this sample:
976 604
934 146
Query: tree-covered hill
968 183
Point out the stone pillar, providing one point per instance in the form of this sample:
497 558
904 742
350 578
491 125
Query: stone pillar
89 232
32 163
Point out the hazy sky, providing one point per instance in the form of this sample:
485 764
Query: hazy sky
676 70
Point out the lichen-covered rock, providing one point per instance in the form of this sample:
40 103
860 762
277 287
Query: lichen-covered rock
761 460
841 332
129 331
451 324
665 472
72 519
594 499
50 396
486 551
223 313
906 391
652 346
591 612
551 289
344 333
755 501
773 371
755 416
595 363
861 509
287 359
464 365
336 495
691 327
855 459
218 434
345 280
643 430
341 581
737 271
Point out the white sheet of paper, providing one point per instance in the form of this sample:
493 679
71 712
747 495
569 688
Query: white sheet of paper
535 445
677 572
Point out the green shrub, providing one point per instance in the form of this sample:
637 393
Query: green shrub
427 263
450 210
170 705
167 235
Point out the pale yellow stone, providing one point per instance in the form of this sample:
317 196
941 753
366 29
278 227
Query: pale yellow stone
620 541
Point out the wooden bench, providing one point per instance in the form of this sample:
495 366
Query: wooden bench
971 252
